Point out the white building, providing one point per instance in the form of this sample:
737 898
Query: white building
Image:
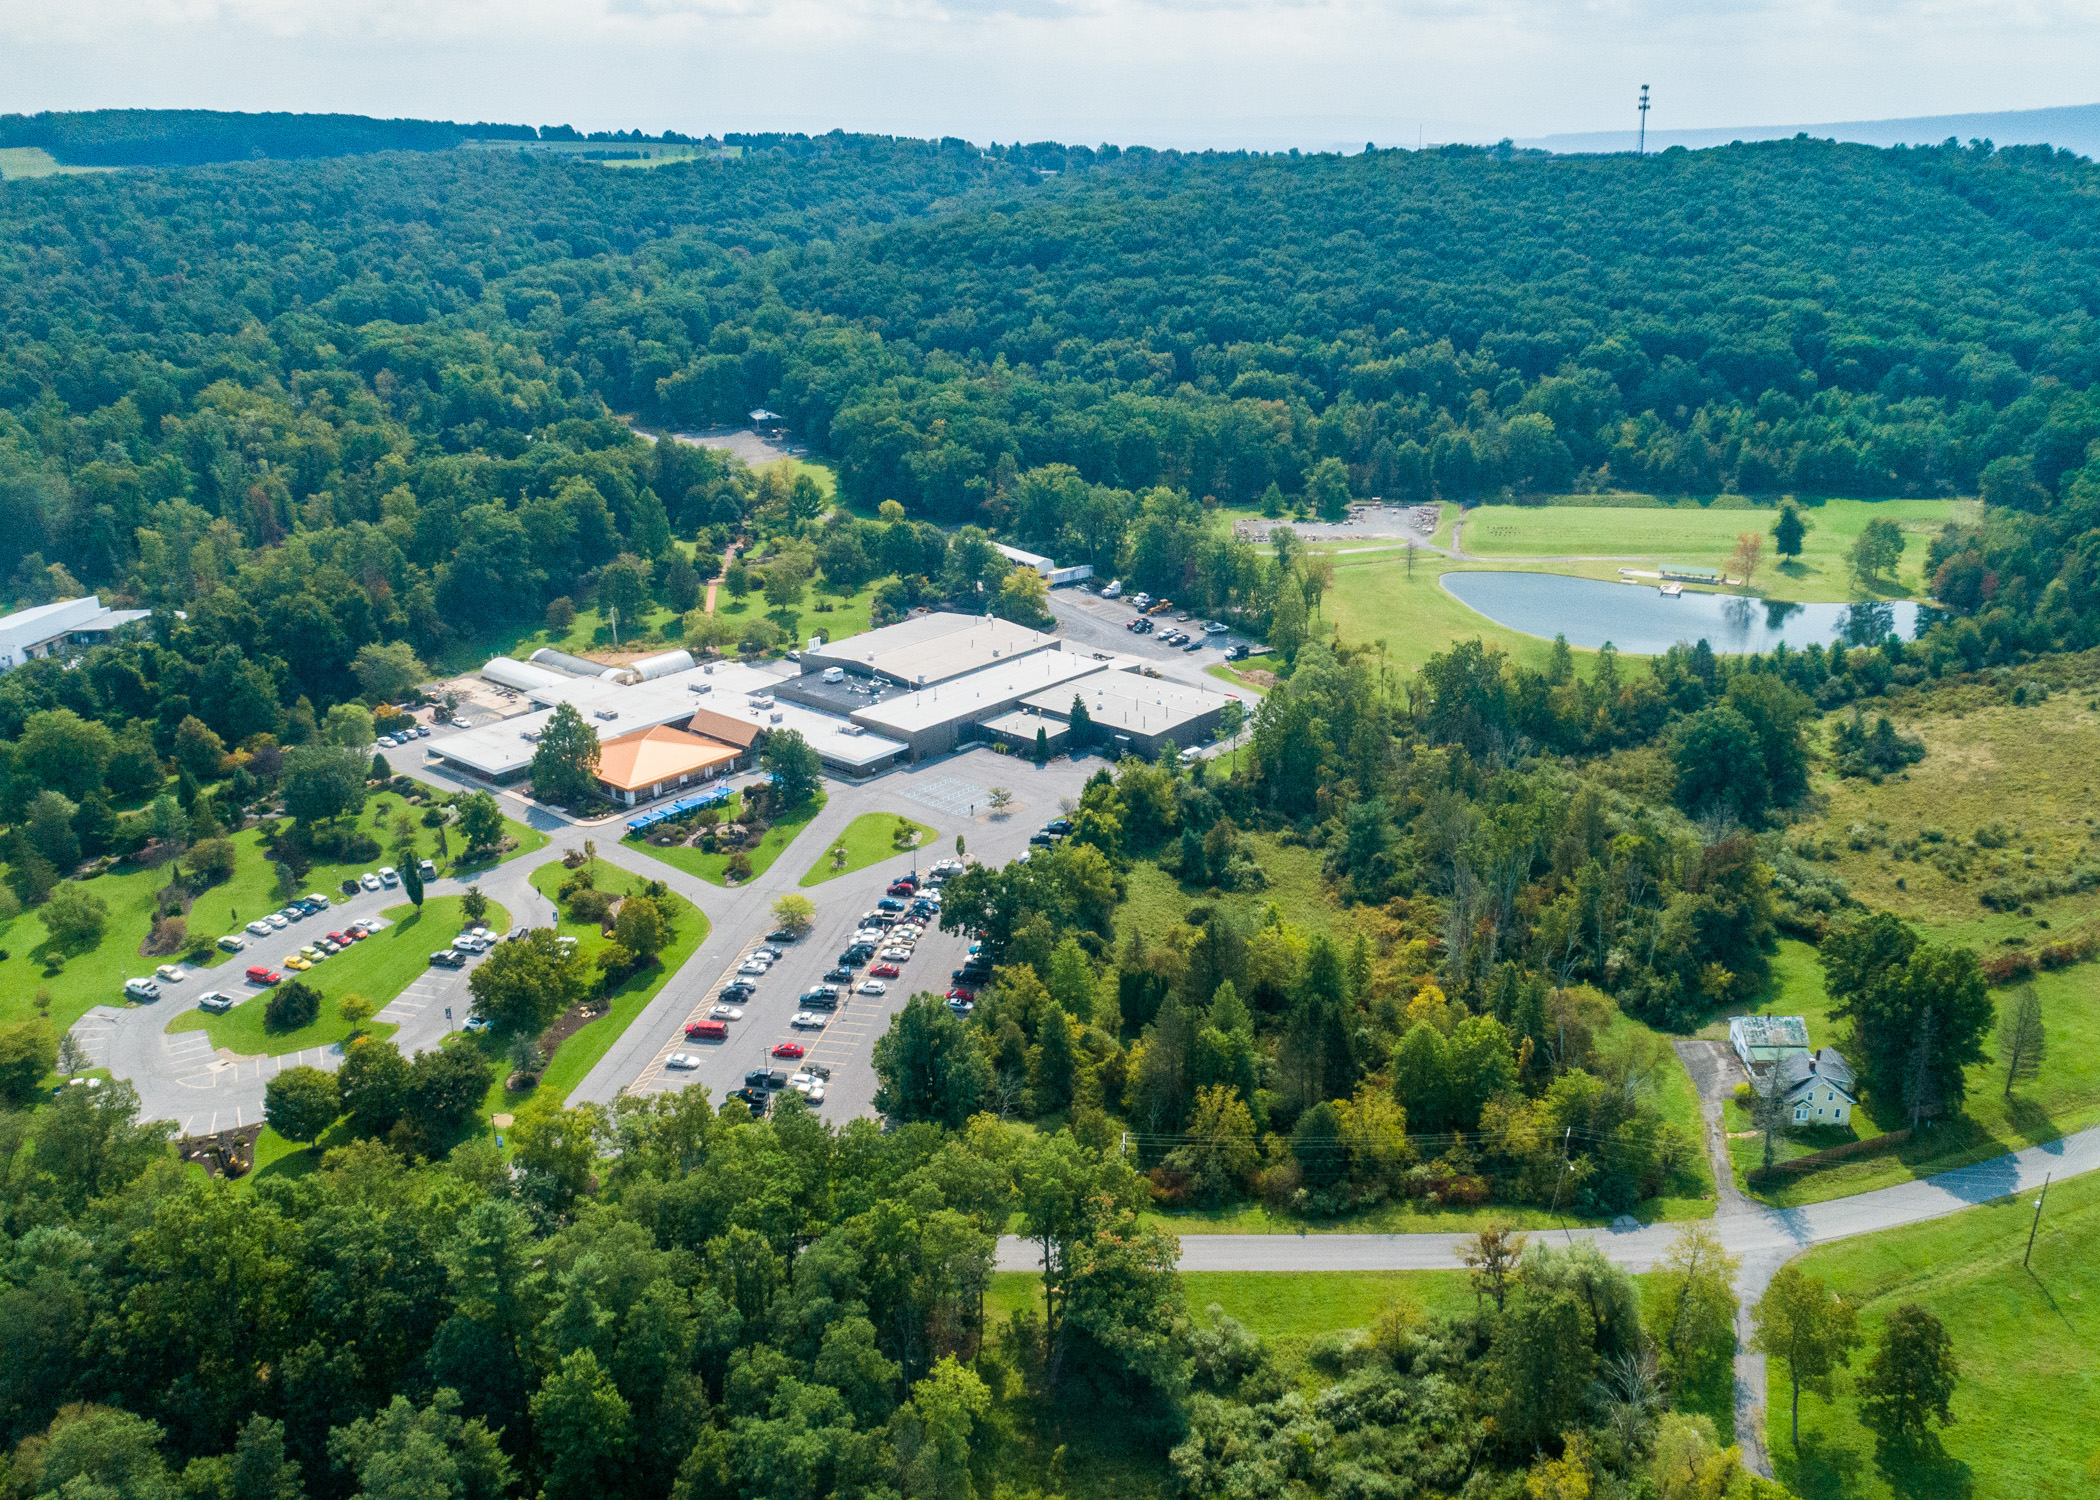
1051 573
1761 1041
61 629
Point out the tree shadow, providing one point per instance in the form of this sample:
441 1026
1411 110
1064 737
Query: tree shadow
1794 568
1925 1471
2032 1122
1820 1467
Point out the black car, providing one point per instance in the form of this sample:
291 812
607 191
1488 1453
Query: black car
820 1000
889 903
1042 840
1058 825
780 935
970 976
855 956
754 1100
776 1079
756 1078
840 975
738 991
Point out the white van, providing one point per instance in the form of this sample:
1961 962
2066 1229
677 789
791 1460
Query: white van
833 674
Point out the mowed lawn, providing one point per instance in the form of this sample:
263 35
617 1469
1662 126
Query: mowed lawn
379 968
868 839
714 868
2025 1338
1705 536
1277 1304
97 977
2065 1097
580 1052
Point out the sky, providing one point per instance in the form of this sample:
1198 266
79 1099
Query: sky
1268 74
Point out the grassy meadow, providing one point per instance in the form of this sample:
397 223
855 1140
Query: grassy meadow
869 839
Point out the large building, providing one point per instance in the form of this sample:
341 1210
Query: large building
928 648
1133 714
651 763
61 629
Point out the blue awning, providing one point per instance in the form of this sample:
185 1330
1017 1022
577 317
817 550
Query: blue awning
713 797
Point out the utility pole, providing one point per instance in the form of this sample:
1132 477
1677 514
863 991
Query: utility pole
1642 148
2037 1224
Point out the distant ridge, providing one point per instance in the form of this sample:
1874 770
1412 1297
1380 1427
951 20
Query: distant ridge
2074 127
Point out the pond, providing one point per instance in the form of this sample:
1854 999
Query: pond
1640 619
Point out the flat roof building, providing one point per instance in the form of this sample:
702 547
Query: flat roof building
1050 572
928 649
1761 1041
1138 713
49 629
933 720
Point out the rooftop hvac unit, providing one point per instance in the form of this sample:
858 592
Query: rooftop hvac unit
529 734
775 717
852 729
607 714
700 687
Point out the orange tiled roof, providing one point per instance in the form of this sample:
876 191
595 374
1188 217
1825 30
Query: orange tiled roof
649 756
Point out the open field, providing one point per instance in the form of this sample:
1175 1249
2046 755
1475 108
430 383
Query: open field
35 161
97 977
2023 777
1277 1304
869 839
2065 1097
1156 900
580 1052
1375 598
714 868
646 153
379 968
2024 1338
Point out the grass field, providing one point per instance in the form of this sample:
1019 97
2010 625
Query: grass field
2024 1337
2065 1097
1277 1304
1155 900
580 1052
97 977
1374 598
1705 537
714 868
379 968
2023 774
35 161
869 839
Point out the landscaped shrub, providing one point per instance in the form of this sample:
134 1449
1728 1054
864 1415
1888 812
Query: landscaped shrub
290 1006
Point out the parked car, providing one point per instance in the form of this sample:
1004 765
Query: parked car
386 742
753 966
707 1031
1114 589
782 935
1058 825
477 1023
233 943
962 1007
871 987
389 876
752 1099
839 975
263 974
260 928
422 731
808 1020
278 921
1042 840
427 870
316 901
1215 627
360 930
727 1013
682 1060
884 970
215 1001
1195 645
449 958
789 1050
312 952
962 992
172 973
895 955
370 881
738 990
141 989
297 964
327 947
808 1088
293 913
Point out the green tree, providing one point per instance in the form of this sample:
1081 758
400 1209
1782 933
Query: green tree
59 750
50 829
387 672
28 1051
1878 550
1908 1004
323 781
1809 1330
412 881
793 764
1909 1382
933 1431
431 1453
524 985
291 1005
373 1084
1080 734
584 1427
473 905
197 750
929 1066
1720 764
355 1010
301 1103
1023 597
1327 489
640 928
480 822
75 917
1789 530
1541 1361
259 1468
623 592
95 1453
1218 1149
795 912
444 1091
565 762
349 725
1694 1303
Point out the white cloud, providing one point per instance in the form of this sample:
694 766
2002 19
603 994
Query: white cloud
1181 72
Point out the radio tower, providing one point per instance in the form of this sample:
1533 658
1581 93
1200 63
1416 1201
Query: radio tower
1642 148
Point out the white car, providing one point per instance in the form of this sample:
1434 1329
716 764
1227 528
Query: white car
233 942
1215 627
727 1013
422 731
215 1002
895 955
141 989
387 742
808 1020
389 876
808 1087
260 928
172 973
277 921
753 967
871 987
682 1060
370 882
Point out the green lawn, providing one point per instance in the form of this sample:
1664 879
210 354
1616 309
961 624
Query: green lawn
1278 1304
379 968
97 977
2065 1097
869 839
580 1052
2025 1339
1705 536
714 868
1155 901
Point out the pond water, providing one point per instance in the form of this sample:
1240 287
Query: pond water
1639 619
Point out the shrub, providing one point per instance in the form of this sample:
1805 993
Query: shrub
587 905
75 918
291 1005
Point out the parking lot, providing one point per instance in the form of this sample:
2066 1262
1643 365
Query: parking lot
1090 620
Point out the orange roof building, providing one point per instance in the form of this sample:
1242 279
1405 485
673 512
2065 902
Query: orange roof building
650 762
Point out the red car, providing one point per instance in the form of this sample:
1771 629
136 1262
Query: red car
707 1031
788 1049
962 992
341 939
885 971
902 888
